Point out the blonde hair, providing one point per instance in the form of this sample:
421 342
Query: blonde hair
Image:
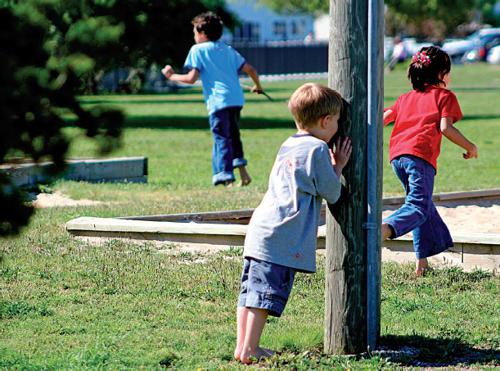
312 101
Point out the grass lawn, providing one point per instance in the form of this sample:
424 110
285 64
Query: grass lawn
66 304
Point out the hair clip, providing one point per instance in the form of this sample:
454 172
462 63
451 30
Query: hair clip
422 58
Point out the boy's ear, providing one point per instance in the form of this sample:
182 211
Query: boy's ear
344 123
323 122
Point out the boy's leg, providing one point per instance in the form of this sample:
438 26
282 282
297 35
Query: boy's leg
241 323
244 176
256 320
222 151
264 291
239 160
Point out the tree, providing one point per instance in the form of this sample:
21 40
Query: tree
431 18
48 46
304 6
38 80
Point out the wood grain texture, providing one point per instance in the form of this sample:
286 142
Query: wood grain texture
345 297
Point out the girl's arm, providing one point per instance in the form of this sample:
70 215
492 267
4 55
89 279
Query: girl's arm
454 135
188 78
388 116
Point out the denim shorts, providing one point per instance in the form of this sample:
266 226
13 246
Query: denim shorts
265 285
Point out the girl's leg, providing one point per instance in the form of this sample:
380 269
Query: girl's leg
411 172
241 321
418 213
430 238
256 320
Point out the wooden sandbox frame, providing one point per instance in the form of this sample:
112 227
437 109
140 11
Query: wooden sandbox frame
228 228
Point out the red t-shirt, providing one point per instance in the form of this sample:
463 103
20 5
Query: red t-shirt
417 116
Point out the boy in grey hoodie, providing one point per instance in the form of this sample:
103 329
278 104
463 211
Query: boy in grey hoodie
281 236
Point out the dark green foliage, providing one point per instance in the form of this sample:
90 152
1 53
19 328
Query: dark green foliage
425 17
40 76
50 49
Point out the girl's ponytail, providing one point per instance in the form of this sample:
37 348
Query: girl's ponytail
428 67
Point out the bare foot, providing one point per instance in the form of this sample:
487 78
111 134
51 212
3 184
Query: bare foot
422 267
237 354
386 231
245 177
248 357
228 183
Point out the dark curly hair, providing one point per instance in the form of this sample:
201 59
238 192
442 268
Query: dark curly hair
209 23
428 66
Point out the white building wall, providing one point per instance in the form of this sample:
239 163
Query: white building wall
295 27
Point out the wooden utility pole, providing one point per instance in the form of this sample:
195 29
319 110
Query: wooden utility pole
352 302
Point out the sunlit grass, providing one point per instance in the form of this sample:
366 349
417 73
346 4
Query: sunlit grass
66 304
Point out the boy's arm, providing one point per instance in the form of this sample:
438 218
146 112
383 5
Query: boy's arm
252 72
188 78
454 135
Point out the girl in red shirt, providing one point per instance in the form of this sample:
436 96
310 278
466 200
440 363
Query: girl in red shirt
421 117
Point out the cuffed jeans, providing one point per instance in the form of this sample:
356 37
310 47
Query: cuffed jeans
227 152
419 214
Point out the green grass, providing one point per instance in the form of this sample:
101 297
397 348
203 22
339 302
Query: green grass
65 304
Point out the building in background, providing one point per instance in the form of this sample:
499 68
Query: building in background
261 25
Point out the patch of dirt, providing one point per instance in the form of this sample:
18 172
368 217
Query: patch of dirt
58 199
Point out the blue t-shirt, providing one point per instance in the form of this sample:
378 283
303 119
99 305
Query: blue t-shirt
284 227
218 65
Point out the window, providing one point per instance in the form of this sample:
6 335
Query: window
247 32
279 29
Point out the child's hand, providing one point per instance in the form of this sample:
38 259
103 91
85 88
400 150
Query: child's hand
471 153
342 153
167 71
256 89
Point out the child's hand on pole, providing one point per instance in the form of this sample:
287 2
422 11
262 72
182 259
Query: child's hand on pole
167 71
343 150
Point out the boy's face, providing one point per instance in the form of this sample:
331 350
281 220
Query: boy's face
199 37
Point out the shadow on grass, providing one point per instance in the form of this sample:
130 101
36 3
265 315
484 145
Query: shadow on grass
200 122
162 100
420 351
475 88
480 117
169 101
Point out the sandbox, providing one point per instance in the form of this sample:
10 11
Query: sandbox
476 247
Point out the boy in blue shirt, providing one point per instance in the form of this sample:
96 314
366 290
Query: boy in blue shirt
282 233
218 65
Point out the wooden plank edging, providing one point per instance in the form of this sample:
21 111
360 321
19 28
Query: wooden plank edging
142 226
118 169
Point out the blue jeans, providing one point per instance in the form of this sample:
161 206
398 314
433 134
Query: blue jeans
419 214
227 152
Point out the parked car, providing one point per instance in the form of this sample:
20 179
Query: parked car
480 53
494 55
457 49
